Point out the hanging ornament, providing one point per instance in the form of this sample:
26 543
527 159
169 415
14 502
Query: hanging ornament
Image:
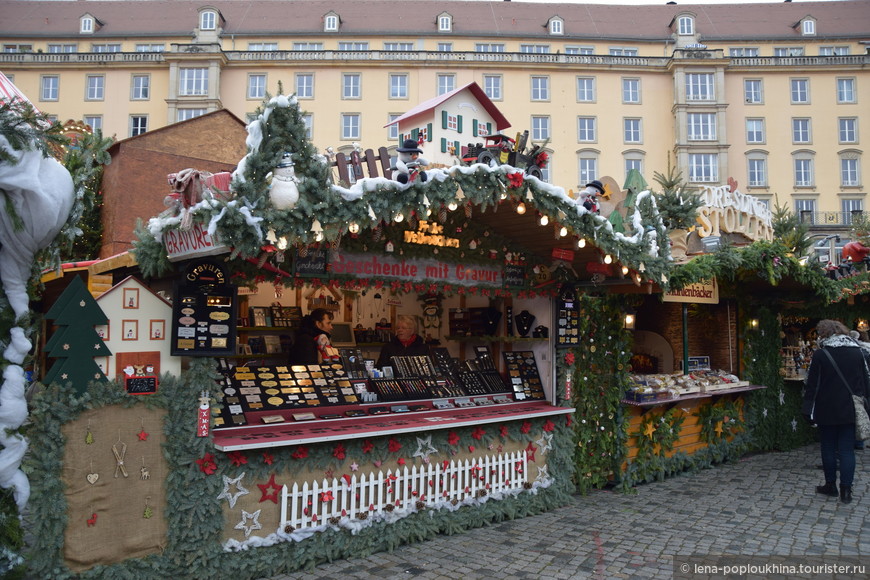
284 190
412 220
389 248
442 214
144 473
204 419
93 476
377 232
336 242
302 251
468 210
142 435
472 245
119 449
271 237
89 437
148 512
317 230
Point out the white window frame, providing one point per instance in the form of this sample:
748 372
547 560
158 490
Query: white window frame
445 47
700 87
751 96
140 87
308 121
187 113
452 122
701 126
138 125
351 86
208 20
586 89
492 87
630 90
850 171
743 52
847 130
257 86
587 129
799 91
308 46
446 83
850 205
62 48
301 82
193 82
756 171
399 85
755 133
398 46
808 27
557 26
685 25
540 88
535 48
95 122
353 46
351 126
489 47
331 23
587 168
445 23
622 51
262 46
150 47
703 167
393 130
632 161
87 24
49 88
846 90
801 130
632 130
804 172
540 128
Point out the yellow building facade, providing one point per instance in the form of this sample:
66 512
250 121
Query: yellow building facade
770 95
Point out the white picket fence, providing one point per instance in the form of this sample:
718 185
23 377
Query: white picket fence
315 504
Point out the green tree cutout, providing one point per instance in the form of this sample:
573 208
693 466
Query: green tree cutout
75 343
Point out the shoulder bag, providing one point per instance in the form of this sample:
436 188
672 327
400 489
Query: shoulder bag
862 419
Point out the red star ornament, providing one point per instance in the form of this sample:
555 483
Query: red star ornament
530 451
143 436
265 487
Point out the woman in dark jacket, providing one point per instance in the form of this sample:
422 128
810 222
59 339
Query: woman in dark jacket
828 403
312 344
406 342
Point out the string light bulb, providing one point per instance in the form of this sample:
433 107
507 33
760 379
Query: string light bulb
544 220
581 243
563 231
398 217
452 206
624 270
608 259
521 208
353 228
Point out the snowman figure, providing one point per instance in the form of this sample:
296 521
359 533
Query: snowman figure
408 162
588 197
284 191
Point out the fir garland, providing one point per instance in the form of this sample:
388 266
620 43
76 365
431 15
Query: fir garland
721 421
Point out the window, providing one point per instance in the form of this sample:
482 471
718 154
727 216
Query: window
631 90
256 86
834 50
557 26
588 168
398 86
393 130
185 114
307 46
585 89
848 130
193 81
585 129
803 172
757 168
804 209
621 51
105 48
579 50
540 88
631 130
262 46
699 87
535 48
208 20
540 128
350 126
157 47
703 167
846 90
488 47
308 121
800 130
752 91
633 163
17 48
850 208
685 26
742 52
138 125
849 171
353 46
399 46
86 25
800 91
445 47
351 86
305 86
788 51
445 23
808 27
755 130
55 48
95 122
330 23
701 126
140 88
446 84
50 88
451 121
492 86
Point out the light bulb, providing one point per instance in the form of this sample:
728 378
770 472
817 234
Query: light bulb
399 217
282 243
608 259
624 270
544 220
563 231
521 208
581 243
452 206
353 228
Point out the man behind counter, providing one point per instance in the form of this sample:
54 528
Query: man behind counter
406 342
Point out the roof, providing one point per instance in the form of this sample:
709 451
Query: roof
274 18
426 106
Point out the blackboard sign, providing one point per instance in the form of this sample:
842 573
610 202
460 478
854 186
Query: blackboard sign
140 385
312 264
514 275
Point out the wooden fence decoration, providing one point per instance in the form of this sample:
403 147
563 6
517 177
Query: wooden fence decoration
350 167
311 505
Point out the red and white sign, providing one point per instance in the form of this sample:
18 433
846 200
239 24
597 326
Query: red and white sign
192 243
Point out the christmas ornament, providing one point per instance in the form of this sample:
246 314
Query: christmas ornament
142 435
203 421
89 437
249 527
240 490
148 512
269 485
144 473
284 191
119 449
93 476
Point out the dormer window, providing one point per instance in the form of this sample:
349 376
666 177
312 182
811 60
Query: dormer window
445 23
808 27
208 20
686 26
331 22
556 25
86 24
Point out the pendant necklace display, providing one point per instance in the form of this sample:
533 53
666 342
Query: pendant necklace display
524 322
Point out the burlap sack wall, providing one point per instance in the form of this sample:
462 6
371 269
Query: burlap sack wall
120 530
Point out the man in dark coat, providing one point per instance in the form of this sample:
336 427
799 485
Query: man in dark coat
828 403
406 342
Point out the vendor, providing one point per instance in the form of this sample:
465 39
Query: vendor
313 342
406 342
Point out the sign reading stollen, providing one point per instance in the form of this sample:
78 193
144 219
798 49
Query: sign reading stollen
704 292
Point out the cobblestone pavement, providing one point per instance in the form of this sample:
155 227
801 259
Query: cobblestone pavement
762 505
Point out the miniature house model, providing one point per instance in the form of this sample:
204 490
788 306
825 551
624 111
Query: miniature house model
136 332
449 122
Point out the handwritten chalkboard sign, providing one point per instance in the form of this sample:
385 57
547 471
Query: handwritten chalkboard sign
312 264
514 275
141 385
